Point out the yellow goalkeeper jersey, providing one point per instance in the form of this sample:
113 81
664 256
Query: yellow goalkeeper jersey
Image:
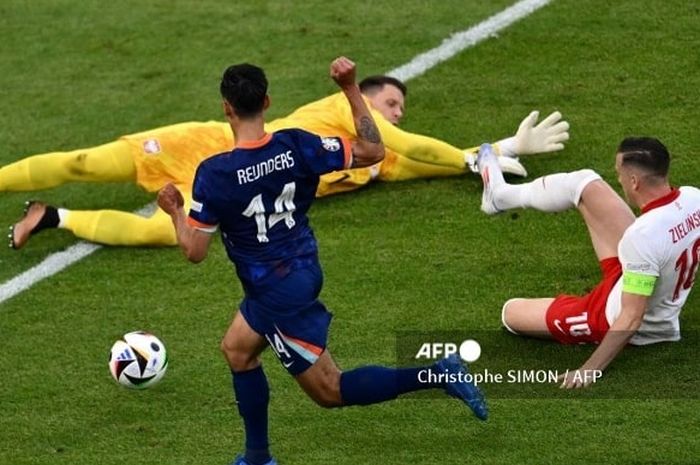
332 116
172 153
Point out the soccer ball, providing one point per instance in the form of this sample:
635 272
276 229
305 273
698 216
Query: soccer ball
138 360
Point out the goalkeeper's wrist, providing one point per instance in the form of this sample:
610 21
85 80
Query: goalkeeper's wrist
507 147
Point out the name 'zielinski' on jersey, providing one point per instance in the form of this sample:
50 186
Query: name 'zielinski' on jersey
681 230
252 173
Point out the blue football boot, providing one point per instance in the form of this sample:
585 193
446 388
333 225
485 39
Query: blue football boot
462 389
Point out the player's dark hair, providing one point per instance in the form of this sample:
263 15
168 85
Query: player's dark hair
647 154
244 86
373 84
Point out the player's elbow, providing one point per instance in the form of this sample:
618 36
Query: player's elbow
378 153
632 313
194 245
629 322
368 154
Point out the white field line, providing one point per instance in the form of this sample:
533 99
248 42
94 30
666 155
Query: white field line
460 41
451 46
53 264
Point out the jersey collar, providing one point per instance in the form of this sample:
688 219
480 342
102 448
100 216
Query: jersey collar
661 201
254 144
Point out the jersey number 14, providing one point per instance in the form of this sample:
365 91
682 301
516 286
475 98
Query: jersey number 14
284 208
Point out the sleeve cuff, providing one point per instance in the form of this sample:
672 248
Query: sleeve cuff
208 228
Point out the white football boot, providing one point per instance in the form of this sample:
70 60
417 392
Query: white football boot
491 175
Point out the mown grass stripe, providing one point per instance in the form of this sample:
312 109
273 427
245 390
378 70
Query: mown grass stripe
458 42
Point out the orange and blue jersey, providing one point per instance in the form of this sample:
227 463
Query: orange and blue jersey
259 195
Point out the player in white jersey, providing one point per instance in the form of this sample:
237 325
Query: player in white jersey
648 263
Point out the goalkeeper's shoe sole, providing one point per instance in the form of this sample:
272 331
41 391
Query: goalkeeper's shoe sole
461 388
21 231
486 162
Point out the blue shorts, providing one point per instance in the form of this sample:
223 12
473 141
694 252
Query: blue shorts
291 318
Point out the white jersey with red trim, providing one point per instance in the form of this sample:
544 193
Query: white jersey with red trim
664 242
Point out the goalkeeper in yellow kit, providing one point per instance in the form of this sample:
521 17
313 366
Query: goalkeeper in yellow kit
172 153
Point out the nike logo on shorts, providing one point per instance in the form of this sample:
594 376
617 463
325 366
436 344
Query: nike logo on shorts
557 323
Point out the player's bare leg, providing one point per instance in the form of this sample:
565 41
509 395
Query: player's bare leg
527 316
329 387
242 347
321 381
606 215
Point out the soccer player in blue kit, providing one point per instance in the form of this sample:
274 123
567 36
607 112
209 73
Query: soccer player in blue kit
258 195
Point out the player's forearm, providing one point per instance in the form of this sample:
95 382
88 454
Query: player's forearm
369 148
186 237
614 341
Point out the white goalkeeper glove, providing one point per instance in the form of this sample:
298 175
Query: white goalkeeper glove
548 136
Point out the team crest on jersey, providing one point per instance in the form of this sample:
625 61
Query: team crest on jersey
196 206
151 146
330 143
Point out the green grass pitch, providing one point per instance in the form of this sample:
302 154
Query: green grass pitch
414 256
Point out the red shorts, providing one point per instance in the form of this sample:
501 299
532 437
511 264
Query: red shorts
581 319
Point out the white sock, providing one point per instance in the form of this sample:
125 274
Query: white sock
551 193
506 147
62 217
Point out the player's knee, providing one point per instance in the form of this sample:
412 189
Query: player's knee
238 360
584 179
326 391
326 401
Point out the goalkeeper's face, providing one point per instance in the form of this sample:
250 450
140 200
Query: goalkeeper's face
389 102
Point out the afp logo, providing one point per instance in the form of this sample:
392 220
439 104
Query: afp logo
469 350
